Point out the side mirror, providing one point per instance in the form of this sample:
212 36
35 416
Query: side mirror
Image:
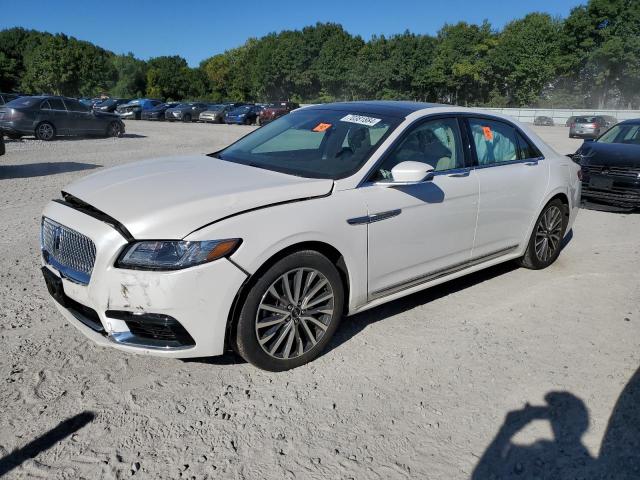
589 140
409 173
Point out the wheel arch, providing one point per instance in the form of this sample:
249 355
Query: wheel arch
329 251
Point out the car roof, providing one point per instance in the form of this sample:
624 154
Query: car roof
377 107
631 121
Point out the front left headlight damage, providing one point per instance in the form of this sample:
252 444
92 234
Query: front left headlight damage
174 254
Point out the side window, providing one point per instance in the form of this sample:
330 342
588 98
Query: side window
45 105
525 149
436 142
495 142
74 105
56 104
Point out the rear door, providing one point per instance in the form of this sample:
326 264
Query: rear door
513 179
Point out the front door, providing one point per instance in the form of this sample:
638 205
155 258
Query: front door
417 232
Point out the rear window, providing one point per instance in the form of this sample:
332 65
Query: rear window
24 102
585 119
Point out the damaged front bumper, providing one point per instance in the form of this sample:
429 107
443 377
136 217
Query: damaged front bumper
180 313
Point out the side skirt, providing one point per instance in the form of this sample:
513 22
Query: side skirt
439 274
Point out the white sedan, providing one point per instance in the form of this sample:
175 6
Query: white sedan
326 212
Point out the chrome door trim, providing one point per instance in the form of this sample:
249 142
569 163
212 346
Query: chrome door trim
443 272
375 217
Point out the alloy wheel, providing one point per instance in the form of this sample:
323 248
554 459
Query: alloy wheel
45 131
548 234
294 313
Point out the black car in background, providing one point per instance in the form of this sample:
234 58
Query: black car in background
157 112
109 105
48 116
186 112
543 121
611 166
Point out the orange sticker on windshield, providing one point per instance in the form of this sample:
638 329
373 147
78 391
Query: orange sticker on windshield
488 134
321 127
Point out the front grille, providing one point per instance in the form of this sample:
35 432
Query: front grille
630 172
68 251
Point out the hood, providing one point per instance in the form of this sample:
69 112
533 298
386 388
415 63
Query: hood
612 154
169 198
104 114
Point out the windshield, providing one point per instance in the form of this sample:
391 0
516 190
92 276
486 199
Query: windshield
240 110
107 103
629 134
313 143
23 102
215 107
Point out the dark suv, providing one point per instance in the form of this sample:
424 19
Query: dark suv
48 116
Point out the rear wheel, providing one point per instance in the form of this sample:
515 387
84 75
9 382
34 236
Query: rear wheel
546 239
291 312
45 131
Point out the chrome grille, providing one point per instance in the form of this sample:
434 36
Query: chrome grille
68 251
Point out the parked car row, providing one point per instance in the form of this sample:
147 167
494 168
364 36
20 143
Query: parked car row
228 112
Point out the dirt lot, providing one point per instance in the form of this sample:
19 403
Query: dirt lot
418 388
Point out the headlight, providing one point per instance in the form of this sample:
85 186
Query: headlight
174 254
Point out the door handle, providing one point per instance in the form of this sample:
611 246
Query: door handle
459 174
531 164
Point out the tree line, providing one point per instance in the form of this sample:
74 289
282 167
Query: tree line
591 59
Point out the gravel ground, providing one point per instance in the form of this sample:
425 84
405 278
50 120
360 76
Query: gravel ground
418 388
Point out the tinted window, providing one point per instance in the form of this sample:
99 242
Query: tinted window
24 102
45 105
75 106
495 142
56 104
435 142
311 143
525 148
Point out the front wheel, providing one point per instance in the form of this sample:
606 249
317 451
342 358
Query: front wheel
291 312
546 239
45 131
114 130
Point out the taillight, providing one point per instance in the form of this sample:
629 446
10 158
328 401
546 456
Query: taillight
572 125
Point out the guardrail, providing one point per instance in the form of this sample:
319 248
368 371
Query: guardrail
560 116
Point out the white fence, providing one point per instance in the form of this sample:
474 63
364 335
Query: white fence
560 116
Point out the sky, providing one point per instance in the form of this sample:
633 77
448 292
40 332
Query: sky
198 29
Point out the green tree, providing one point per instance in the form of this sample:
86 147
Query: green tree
526 58
131 76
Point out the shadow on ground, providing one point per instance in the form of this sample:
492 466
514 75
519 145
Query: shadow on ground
45 442
566 456
29 170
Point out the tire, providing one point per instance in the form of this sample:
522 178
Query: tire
45 131
114 130
545 243
292 335
186 118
